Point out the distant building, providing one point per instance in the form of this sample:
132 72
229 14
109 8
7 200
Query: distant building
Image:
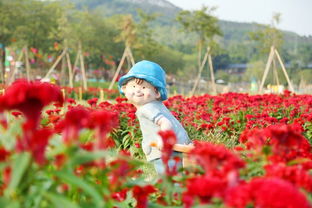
309 66
236 68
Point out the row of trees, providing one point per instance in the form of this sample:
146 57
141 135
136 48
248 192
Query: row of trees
49 27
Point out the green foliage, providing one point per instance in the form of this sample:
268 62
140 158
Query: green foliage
255 70
268 36
149 47
200 22
95 23
308 131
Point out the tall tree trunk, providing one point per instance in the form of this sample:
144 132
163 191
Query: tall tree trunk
82 67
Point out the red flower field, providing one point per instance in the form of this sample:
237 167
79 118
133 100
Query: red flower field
250 151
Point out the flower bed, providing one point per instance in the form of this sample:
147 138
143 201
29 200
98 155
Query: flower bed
250 151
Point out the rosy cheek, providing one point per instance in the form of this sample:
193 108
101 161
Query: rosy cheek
148 94
128 93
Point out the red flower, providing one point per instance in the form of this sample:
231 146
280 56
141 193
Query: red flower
50 112
169 140
30 98
286 141
16 114
239 196
120 170
204 188
6 176
75 119
34 142
92 102
62 188
60 159
103 122
273 192
141 194
120 195
215 159
4 154
267 192
3 120
296 174
71 101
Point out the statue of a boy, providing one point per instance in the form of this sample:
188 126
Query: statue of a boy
145 87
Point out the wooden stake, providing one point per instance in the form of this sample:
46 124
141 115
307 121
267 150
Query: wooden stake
128 61
267 67
63 93
2 67
214 89
127 54
199 73
83 71
63 66
70 71
80 93
118 69
55 64
275 72
101 94
27 63
131 56
76 61
284 70
19 59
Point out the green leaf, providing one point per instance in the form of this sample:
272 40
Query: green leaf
7 135
20 165
85 156
44 121
89 189
60 201
7 203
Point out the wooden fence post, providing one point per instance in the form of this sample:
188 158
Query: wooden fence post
267 67
284 70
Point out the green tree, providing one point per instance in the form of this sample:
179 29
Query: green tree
205 25
267 36
201 22
10 17
128 32
37 20
149 47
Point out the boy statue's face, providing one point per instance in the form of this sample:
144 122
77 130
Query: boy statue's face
140 93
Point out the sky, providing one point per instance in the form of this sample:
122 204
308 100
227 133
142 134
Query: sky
296 15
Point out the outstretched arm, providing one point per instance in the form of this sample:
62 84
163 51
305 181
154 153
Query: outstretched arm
164 124
185 148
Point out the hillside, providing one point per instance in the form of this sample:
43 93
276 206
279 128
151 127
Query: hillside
167 27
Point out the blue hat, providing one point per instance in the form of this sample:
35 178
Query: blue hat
150 72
